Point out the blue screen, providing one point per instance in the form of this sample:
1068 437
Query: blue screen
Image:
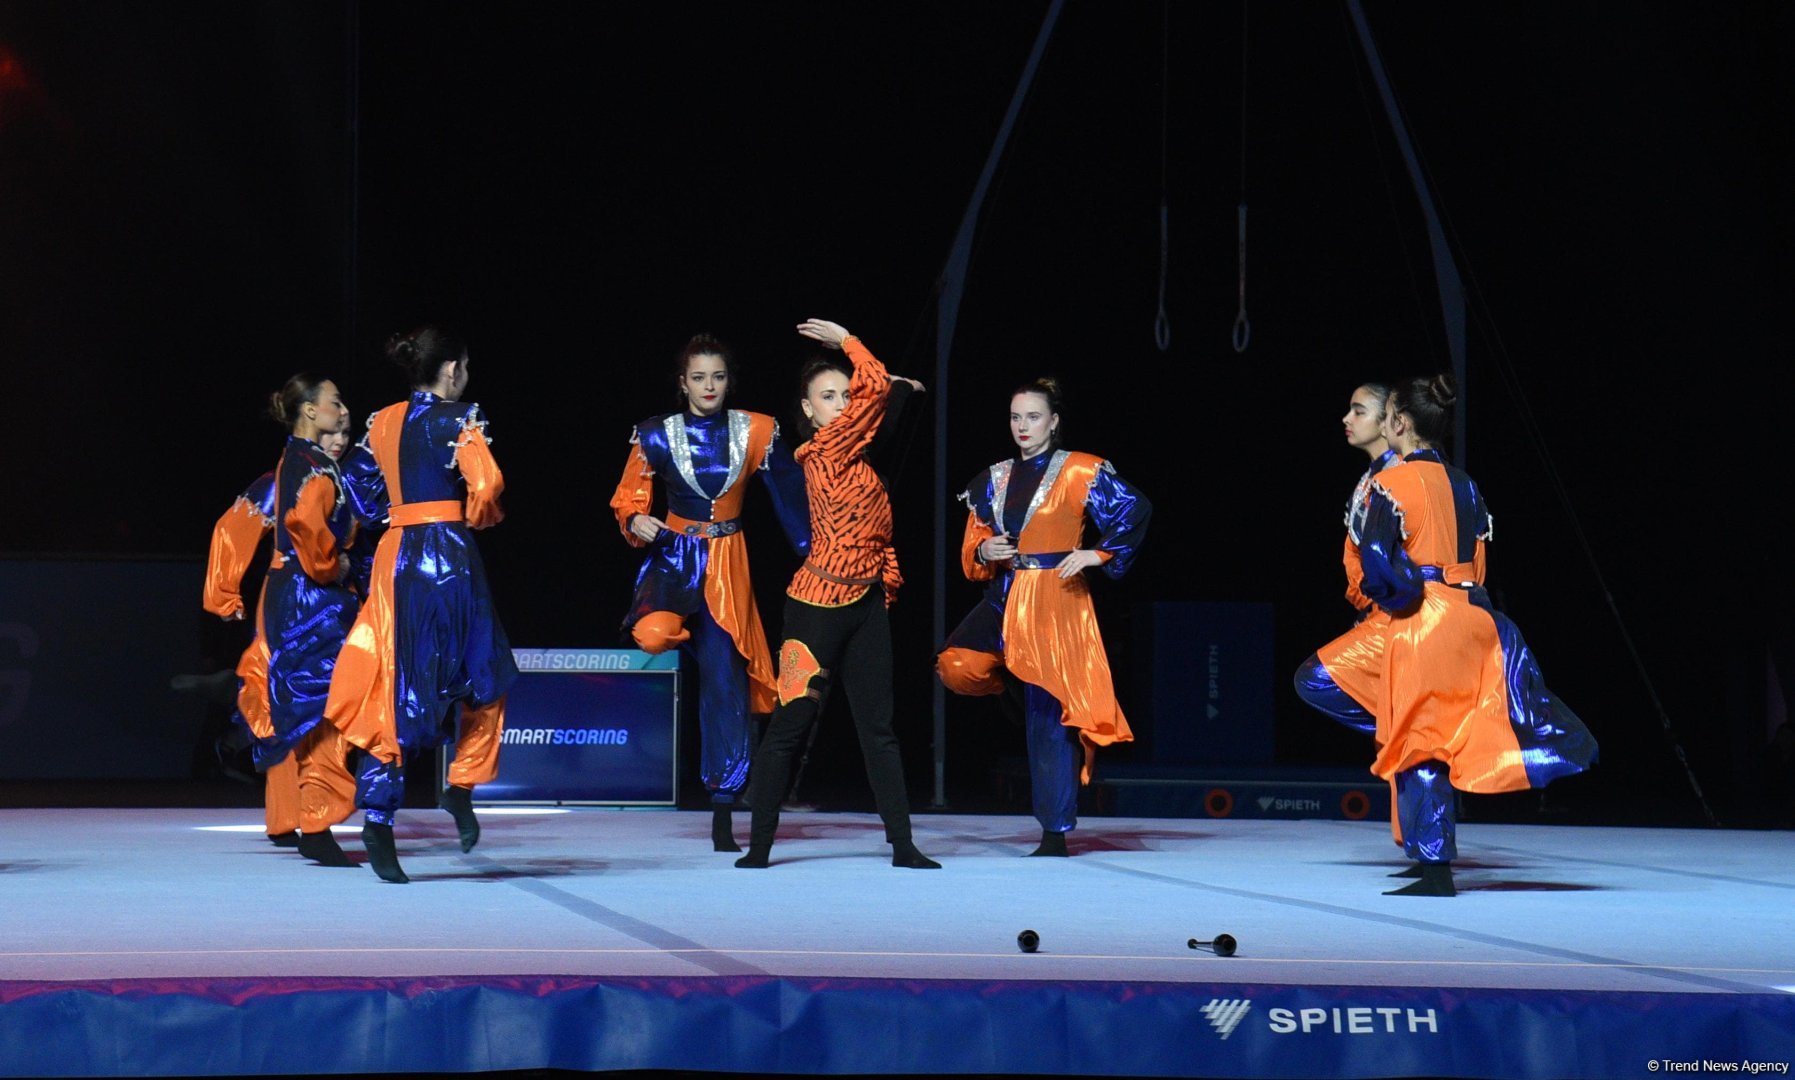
605 737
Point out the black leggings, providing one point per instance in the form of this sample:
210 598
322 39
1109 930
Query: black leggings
852 644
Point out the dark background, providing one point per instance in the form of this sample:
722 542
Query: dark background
197 199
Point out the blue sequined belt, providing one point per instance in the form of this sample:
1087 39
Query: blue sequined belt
1040 560
1438 573
710 529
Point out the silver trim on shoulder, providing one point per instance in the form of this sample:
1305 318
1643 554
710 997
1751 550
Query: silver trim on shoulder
1054 465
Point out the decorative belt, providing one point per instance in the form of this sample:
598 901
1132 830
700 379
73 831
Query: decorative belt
827 576
1445 575
1040 560
425 513
710 529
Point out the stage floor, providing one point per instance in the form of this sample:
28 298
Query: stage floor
599 939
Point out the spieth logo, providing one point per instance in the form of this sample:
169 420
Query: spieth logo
1354 1020
1225 1014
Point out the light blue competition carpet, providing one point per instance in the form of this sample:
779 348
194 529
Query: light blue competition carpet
181 942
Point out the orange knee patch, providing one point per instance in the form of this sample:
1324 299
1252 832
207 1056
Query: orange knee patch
797 667
658 631
970 672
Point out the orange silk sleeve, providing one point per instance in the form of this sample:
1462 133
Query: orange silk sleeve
308 523
635 492
485 483
1355 576
234 541
977 532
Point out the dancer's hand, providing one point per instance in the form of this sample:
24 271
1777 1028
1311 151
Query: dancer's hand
645 527
1082 559
914 385
829 333
235 616
999 548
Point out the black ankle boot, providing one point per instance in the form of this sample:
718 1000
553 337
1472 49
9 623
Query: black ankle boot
459 802
1435 880
1414 870
723 830
322 848
756 859
284 839
1053 844
382 856
904 854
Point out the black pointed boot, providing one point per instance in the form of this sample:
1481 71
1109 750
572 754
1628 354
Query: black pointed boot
382 856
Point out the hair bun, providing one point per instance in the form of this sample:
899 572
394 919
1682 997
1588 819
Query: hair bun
1442 390
1049 384
401 350
277 409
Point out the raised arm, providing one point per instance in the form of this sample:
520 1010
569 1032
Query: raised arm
234 541
485 483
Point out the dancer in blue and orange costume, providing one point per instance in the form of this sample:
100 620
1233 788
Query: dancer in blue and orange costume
1341 677
1461 703
235 538
427 650
1024 538
693 591
836 626
308 605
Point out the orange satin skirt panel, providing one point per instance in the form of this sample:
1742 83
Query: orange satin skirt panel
1051 640
362 693
252 695
280 796
1444 696
326 790
1355 659
477 745
729 593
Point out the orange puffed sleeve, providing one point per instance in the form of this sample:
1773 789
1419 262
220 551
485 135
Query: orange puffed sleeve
977 532
635 492
234 541
1355 576
485 483
308 523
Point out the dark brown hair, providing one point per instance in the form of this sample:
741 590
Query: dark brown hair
1427 402
1048 387
423 352
301 389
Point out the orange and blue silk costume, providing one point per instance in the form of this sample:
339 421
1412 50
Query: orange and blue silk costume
694 591
308 606
427 644
1039 627
1460 699
235 537
1341 678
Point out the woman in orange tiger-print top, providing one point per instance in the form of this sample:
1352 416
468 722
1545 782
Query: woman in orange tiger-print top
835 620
